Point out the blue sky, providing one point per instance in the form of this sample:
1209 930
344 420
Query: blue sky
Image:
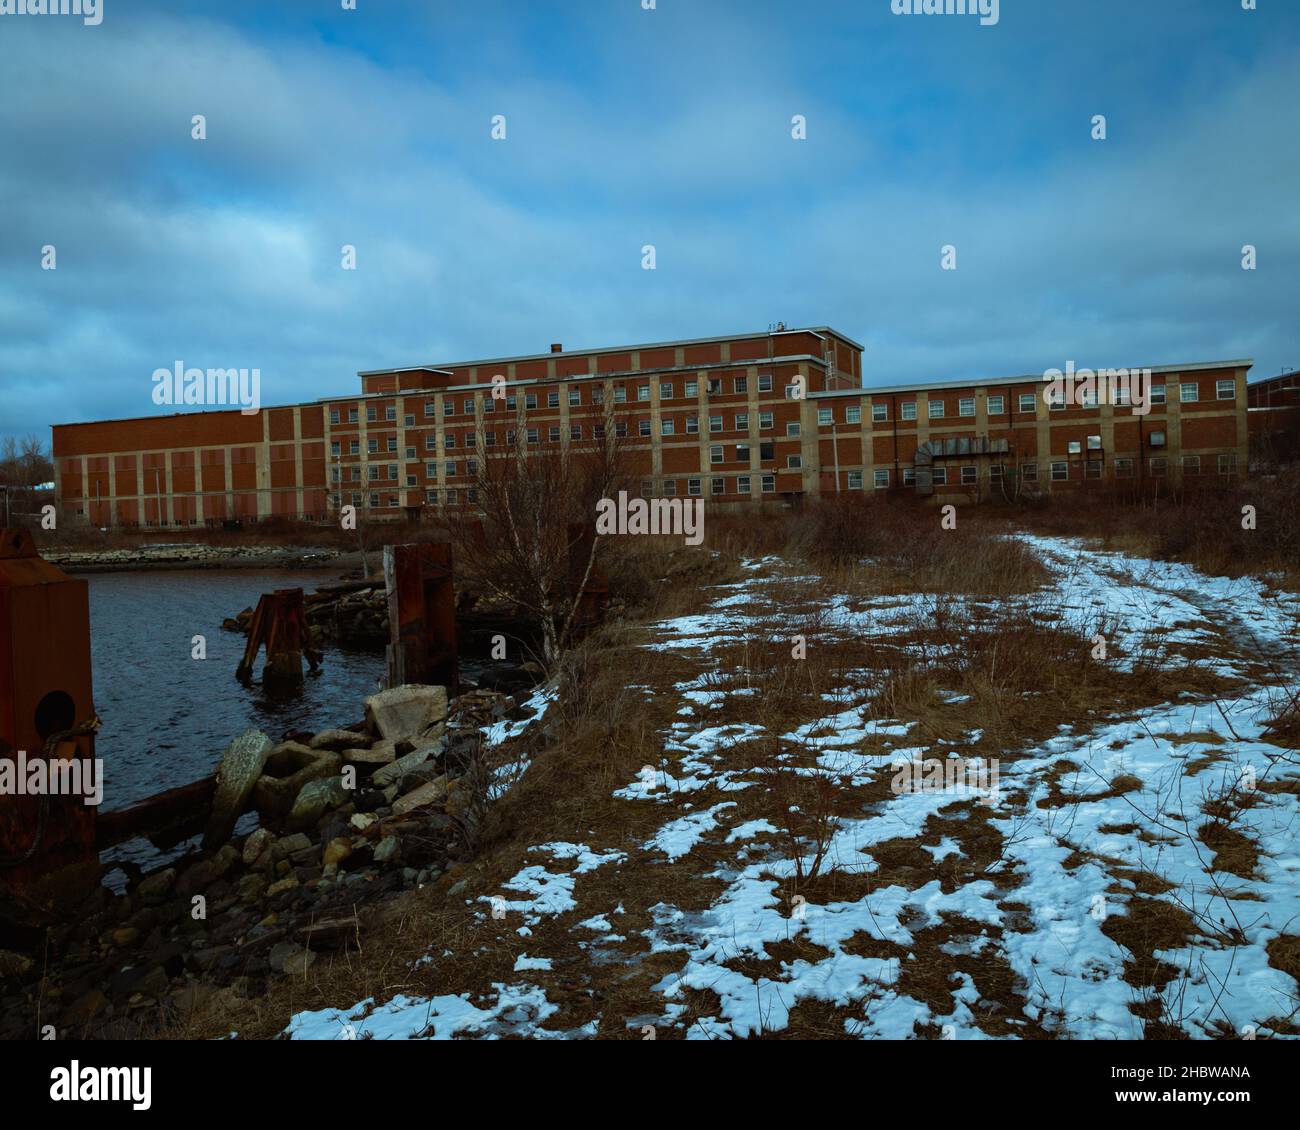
627 127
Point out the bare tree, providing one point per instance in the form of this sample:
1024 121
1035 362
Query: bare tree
523 529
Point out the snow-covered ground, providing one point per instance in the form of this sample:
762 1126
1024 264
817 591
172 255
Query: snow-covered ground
1045 912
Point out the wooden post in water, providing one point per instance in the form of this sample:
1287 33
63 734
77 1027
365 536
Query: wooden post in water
421 615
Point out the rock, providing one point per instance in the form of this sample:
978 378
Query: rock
381 753
290 845
13 964
157 886
251 888
388 849
280 952
190 999
315 799
325 933
362 820
402 712
338 740
125 936
288 883
241 766
258 841
393 773
85 1008
224 860
196 878
288 769
430 793
336 851
296 965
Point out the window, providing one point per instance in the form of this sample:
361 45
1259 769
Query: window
1191 464
1074 447
553 433
1157 394
1228 463
714 386
354 447
489 439
553 399
939 476
692 425
717 486
410 480
1029 472
452 496
372 473
997 405
1156 439
792 392
694 487
620 395
431 470
764 421
449 440
374 500
1087 398
1092 469
372 446
1187 393
1060 472
879 413
531 435
742 453
1225 390
372 413
449 407
408 420
879 478
575 397
715 423
512 403
764 382
767 450
647 488
1027 402
352 415
692 389
792 429
853 414
907 410
935 409
643 392
666 390
511 434
742 484
769 484
469 439
1159 465
742 421
740 384
530 400
909 476
670 487
575 431
489 404
715 453
794 462
969 475
995 472
666 427
620 429
825 416
450 470
392 443
431 497
1055 398
643 427
1123 468
467 406
598 395
334 415
966 406
1094 443
336 448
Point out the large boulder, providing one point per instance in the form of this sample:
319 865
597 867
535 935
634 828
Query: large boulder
315 799
241 766
288 769
403 712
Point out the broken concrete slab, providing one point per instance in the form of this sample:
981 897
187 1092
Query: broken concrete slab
431 793
392 773
241 766
339 740
287 770
381 753
403 712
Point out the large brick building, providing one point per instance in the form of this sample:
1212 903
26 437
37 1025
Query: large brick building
721 417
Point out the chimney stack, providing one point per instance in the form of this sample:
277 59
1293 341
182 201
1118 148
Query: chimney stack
557 347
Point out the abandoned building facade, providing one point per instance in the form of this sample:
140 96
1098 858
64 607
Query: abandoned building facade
741 420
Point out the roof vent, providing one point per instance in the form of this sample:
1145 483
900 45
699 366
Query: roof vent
557 347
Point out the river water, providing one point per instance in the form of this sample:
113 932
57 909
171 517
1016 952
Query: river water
167 716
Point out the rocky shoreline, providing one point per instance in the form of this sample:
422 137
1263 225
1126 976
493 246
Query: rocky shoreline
191 556
348 820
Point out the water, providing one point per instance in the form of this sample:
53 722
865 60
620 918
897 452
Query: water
168 717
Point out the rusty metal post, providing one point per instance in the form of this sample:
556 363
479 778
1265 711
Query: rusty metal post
280 623
421 615
48 861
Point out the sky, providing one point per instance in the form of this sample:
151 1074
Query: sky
628 126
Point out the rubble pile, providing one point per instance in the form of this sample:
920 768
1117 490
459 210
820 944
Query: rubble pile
348 818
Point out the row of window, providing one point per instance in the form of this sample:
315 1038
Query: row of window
1188 393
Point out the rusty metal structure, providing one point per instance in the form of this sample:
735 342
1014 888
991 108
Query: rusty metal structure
421 615
48 857
280 623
